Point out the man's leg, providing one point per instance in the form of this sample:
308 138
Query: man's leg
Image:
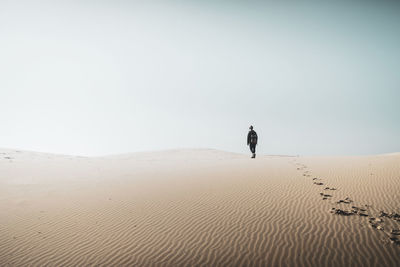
253 150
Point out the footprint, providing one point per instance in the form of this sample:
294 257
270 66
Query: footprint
395 240
395 232
393 215
341 212
329 188
325 196
358 208
347 200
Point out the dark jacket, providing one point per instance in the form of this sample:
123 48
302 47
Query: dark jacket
252 138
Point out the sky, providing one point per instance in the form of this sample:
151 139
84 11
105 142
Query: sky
106 77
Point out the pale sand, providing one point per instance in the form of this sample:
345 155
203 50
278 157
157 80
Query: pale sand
195 208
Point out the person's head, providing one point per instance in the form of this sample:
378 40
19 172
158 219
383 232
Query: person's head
251 127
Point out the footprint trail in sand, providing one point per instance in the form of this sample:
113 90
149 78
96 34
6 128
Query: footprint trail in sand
340 207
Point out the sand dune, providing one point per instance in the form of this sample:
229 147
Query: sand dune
198 208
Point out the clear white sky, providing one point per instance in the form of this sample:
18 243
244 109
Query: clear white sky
103 77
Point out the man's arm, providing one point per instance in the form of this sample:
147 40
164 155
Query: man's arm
248 138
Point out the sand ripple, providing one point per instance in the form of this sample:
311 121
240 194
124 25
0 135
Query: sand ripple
234 212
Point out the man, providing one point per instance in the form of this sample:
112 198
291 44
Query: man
252 141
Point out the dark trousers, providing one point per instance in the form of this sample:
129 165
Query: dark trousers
253 148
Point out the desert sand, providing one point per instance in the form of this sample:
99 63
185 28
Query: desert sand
198 207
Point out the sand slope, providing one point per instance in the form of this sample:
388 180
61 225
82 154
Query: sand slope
196 208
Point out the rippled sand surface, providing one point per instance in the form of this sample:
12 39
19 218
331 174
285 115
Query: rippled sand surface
197 208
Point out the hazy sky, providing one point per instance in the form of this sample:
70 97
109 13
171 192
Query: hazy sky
105 77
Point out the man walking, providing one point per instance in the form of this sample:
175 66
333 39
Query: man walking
252 141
